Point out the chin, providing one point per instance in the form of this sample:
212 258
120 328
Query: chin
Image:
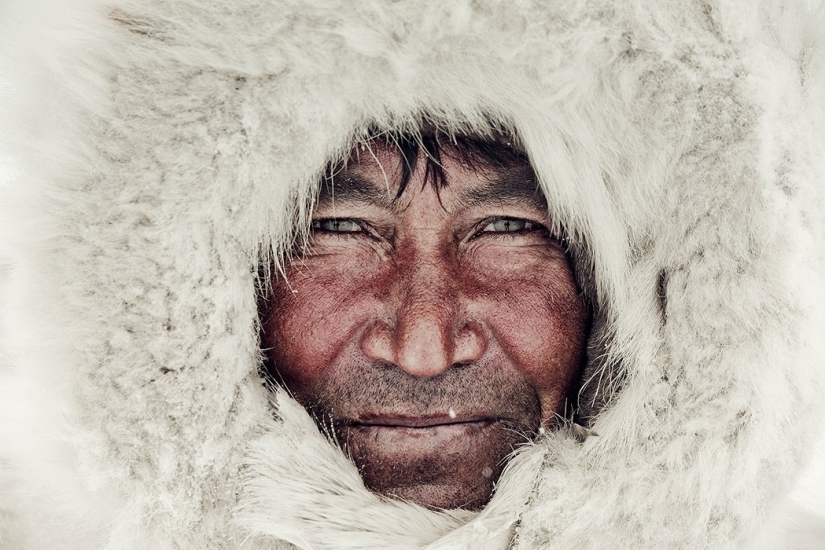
445 466
441 496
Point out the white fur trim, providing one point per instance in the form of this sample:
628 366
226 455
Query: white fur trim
160 146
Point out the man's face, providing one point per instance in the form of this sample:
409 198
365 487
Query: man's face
433 334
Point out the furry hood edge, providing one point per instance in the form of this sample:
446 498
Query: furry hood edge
161 148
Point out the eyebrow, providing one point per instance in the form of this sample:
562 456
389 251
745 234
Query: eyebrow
354 189
507 186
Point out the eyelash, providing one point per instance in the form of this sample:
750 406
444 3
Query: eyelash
316 225
530 227
364 229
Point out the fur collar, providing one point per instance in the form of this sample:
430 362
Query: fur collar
300 488
159 148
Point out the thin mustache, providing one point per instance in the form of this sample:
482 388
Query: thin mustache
381 389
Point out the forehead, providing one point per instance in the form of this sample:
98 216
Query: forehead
385 174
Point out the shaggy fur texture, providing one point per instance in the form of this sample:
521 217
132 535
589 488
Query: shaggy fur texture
163 147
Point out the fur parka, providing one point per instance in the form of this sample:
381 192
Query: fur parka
160 151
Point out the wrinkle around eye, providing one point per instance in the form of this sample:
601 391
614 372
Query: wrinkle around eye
500 256
355 246
508 250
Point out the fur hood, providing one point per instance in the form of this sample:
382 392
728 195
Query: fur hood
161 148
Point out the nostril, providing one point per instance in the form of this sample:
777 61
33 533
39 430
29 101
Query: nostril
377 343
470 343
424 348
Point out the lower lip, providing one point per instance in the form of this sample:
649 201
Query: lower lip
437 432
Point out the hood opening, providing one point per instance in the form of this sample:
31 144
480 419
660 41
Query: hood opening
599 377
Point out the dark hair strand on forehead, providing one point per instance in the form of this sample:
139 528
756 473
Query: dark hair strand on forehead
475 152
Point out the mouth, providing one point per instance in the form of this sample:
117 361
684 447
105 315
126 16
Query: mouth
404 430
418 422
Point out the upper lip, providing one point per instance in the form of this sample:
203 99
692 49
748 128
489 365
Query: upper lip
426 421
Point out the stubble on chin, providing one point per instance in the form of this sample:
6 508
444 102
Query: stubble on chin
455 467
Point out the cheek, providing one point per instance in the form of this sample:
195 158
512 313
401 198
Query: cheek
536 315
311 319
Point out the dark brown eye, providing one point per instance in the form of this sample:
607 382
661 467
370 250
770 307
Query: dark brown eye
335 225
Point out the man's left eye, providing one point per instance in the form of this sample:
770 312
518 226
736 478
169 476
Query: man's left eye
335 225
508 225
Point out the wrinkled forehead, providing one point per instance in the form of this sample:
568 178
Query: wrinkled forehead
381 171
377 164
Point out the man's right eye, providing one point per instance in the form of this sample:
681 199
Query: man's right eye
336 225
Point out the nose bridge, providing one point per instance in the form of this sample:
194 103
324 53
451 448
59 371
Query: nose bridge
428 280
426 316
429 296
425 327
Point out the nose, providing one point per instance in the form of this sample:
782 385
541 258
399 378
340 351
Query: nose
428 330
